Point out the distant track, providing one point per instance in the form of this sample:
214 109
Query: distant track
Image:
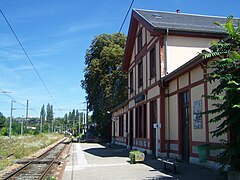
38 168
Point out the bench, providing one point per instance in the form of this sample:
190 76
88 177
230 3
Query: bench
165 162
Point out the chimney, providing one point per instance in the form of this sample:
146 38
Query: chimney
178 11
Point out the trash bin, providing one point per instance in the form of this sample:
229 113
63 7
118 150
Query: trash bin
202 153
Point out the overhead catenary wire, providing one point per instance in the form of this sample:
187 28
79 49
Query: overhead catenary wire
119 31
16 102
26 54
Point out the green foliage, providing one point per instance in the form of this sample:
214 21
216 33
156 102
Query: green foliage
226 95
49 113
2 120
51 178
4 132
104 81
17 148
43 112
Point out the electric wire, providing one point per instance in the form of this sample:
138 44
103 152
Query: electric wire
119 31
16 102
26 54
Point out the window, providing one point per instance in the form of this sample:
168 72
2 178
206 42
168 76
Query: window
139 40
141 122
152 63
131 82
121 125
140 74
153 111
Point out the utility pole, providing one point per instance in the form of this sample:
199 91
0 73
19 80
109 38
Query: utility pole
27 111
10 124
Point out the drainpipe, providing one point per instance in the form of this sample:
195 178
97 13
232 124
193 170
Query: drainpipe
165 60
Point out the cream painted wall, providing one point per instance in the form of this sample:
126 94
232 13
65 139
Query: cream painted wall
173 86
143 35
149 37
173 115
196 74
133 56
183 80
196 94
166 119
155 91
181 50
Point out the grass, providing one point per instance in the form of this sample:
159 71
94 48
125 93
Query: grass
17 148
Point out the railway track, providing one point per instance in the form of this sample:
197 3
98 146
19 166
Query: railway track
38 168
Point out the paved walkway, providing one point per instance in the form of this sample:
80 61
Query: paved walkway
96 161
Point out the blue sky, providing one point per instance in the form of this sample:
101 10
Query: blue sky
56 34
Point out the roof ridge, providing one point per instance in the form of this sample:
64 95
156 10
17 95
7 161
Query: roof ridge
189 14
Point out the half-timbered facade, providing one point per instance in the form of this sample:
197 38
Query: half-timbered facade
166 84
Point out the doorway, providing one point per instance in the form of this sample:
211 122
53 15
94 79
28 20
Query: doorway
131 129
184 110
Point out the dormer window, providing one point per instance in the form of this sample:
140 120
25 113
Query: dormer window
139 40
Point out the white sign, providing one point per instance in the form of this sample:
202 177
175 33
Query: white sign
157 125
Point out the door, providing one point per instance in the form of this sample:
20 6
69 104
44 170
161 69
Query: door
185 126
131 129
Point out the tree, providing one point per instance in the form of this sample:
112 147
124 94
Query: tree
42 112
2 120
226 95
104 82
49 112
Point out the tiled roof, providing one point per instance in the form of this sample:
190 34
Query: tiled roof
181 22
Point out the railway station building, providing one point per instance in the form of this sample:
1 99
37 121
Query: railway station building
166 84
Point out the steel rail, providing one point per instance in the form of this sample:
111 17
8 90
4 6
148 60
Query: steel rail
36 161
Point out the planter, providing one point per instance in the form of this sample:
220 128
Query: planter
233 175
136 156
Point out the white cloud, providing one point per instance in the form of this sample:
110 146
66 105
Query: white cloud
78 27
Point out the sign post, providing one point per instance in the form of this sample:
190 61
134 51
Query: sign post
156 126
